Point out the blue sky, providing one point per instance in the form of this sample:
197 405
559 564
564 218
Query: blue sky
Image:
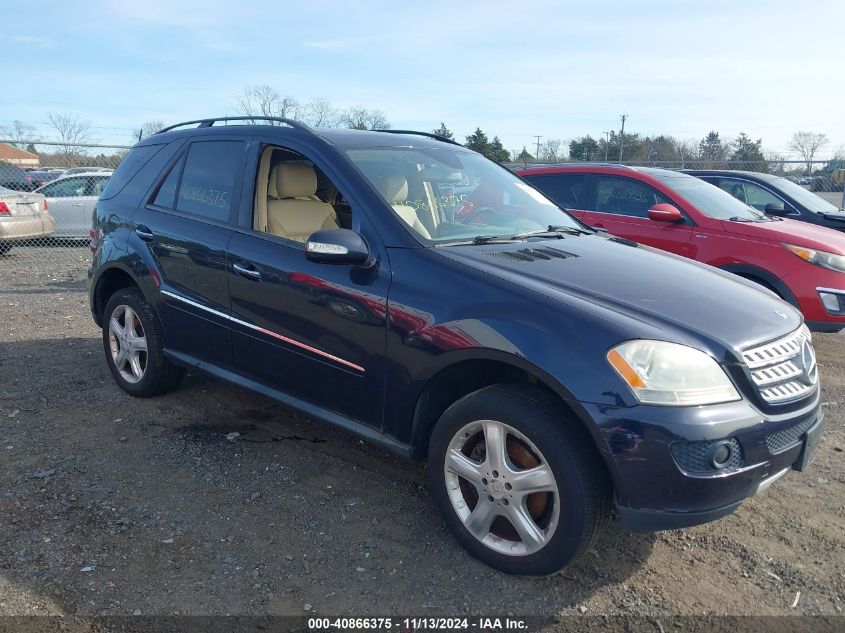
559 69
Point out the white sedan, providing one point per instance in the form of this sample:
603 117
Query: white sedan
71 200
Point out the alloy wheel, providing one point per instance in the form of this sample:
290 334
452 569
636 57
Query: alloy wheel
128 344
502 488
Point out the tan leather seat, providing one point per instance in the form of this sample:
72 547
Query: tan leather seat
295 214
394 187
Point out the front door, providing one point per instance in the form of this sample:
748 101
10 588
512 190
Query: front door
314 331
621 206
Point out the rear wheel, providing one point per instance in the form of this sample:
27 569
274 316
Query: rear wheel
519 484
134 346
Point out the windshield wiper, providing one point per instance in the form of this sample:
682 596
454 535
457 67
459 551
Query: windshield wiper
553 230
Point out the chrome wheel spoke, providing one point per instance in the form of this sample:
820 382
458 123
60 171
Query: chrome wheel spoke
495 438
115 327
463 466
537 479
481 518
135 366
529 532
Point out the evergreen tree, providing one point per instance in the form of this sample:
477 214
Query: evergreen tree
711 148
498 152
477 141
585 149
745 149
524 156
443 131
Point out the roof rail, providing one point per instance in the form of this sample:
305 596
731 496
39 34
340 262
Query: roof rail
209 122
436 137
577 163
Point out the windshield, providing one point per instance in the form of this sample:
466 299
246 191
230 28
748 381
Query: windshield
709 199
448 195
805 198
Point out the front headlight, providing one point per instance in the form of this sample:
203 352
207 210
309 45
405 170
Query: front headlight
671 374
831 261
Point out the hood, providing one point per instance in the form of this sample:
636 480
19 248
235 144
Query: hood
793 231
617 278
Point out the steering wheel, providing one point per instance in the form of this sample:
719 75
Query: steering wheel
476 212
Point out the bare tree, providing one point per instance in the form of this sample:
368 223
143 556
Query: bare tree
72 132
263 100
360 118
19 133
806 144
148 128
550 150
320 113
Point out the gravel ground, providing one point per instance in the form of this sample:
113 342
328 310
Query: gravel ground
114 505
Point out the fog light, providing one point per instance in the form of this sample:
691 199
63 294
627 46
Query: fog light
720 454
830 302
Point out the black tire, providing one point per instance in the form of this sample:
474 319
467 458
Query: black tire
584 491
159 375
5 247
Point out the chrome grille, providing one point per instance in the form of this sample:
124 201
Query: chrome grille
785 369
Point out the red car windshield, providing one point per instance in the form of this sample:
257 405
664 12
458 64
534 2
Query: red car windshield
709 199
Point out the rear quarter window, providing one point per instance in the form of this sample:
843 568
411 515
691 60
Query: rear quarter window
128 167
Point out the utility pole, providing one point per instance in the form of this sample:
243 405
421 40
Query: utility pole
537 155
622 136
606 144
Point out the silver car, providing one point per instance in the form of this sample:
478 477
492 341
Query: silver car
71 200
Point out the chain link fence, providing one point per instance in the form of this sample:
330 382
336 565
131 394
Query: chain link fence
48 192
47 196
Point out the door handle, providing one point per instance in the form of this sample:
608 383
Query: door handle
144 233
598 224
78 204
247 271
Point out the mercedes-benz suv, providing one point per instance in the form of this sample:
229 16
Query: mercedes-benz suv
546 371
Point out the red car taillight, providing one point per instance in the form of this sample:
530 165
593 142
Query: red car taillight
45 204
95 235
4 210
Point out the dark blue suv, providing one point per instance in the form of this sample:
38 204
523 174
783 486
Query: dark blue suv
413 292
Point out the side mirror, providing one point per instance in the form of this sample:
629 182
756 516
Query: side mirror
776 208
665 212
337 246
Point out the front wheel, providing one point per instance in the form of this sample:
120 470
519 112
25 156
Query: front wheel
134 346
519 484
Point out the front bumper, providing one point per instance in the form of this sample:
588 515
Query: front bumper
654 492
807 284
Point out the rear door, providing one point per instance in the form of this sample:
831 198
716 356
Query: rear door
570 191
185 228
621 206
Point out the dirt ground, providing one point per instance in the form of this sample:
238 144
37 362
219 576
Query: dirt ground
114 505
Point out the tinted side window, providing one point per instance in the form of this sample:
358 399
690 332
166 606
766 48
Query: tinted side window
208 180
131 163
749 193
166 196
567 190
622 196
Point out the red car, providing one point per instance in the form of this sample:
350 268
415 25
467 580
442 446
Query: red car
803 263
